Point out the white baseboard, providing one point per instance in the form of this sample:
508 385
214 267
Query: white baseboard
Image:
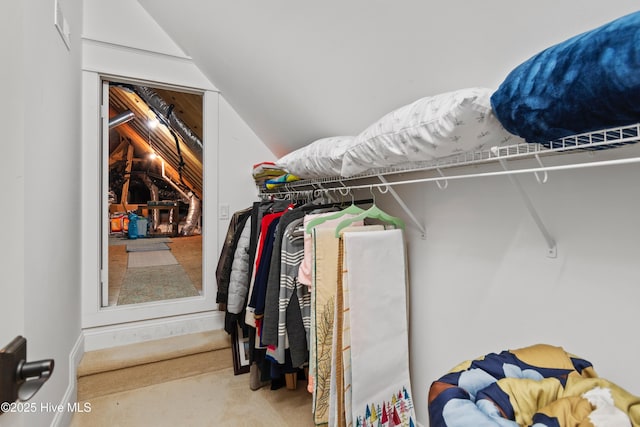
63 418
146 330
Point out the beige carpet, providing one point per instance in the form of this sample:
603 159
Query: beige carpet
109 359
217 399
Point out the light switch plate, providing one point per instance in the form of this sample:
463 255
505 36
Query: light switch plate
224 211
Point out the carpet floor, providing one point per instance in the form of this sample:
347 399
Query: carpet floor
216 399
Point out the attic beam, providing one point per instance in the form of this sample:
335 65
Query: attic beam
138 106
125 186
161 137
143 146
115 155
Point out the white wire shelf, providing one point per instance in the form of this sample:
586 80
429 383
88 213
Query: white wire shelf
377 178
590 141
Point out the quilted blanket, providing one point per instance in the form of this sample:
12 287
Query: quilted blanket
537 386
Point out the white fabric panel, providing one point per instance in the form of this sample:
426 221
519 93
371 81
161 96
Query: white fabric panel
376 271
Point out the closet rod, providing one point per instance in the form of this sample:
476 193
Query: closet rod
551 244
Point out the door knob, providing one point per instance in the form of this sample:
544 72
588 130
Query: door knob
31 376
20 380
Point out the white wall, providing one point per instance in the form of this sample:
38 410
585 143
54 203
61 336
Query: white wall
12 314
42 196
239 150
481 281
112 48
12 173
126 23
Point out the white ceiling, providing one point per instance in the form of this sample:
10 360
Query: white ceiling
297 70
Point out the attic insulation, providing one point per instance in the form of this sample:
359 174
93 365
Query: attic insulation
193 216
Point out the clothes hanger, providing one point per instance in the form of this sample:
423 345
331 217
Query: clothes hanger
349 210
373 212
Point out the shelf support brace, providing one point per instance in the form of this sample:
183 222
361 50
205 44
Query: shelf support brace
551 243
403 205
439 184
545 176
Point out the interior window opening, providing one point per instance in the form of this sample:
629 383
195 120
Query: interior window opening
154 194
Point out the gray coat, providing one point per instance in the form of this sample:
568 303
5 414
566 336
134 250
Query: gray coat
239 278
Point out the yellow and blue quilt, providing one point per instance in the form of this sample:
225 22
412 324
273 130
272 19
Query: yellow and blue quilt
537 386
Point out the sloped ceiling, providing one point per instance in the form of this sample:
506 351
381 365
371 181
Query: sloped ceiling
299 70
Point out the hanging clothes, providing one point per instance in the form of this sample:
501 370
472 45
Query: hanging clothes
258 370
255 307
305 274
275 281
321 254
292 313
311 293
223 269
239 279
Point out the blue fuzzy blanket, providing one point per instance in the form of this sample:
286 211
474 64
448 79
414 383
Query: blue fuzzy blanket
586 83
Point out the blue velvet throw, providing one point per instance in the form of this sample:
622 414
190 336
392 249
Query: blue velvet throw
586 83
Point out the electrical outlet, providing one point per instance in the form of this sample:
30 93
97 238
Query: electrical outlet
11 357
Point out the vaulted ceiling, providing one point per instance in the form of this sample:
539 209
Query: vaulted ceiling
299 70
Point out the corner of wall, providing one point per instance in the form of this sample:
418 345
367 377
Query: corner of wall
63 418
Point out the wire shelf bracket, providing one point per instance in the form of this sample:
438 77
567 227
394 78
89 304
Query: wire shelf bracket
405 208
552 248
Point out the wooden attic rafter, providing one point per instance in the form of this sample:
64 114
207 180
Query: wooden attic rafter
161 139
141 145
